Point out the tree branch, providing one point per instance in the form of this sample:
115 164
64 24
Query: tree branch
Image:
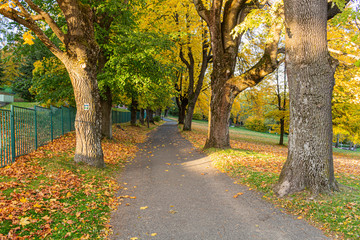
333 9
266 65
343 54
30 24
48 19
181 55
202 11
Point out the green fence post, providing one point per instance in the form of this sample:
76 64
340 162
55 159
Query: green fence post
36 135
12 129
51 125
62 121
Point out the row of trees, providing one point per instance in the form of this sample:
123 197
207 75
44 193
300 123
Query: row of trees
95 46
142 53
310 70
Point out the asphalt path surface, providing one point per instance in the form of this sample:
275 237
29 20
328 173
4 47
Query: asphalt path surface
180 196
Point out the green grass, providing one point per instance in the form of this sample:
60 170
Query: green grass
20 104
337 214
241 133
120 110
66 210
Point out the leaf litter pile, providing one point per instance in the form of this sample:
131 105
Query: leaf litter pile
257 164
46 195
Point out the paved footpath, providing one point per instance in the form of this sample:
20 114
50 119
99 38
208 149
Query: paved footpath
180 196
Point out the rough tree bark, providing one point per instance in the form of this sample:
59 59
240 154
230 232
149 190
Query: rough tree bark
80 59
310 71
182 102
141 118
221 19
106 109
134 106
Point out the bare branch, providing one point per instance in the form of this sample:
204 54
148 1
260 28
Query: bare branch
344 54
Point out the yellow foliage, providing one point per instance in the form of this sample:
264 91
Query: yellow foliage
28 38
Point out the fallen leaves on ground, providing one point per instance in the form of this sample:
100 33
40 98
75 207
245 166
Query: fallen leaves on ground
238 194
276 154
46 195
257 163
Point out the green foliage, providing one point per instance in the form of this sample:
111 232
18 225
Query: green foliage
256 124
51 83
157 118
197 116
136 68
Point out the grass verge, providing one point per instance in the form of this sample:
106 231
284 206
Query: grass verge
258 165
21 104
46 195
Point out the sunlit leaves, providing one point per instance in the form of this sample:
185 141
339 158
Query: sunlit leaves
28 38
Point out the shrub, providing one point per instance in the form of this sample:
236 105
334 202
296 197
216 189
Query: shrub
197 116
256 124
157 118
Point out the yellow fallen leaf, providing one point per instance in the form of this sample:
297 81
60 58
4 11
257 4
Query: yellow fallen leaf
23 200
299 217
24 221
36 205
143 208
153 234
133 238
68 194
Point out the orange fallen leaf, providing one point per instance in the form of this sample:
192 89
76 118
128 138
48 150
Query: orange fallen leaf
238 194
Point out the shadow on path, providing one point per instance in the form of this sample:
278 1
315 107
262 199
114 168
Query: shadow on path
188 199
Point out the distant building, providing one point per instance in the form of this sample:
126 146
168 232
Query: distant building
6 98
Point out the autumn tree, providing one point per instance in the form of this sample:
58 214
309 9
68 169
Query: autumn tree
281 111
310 70
221 18
79 52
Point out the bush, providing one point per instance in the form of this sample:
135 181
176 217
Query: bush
256 124
197 116
157 118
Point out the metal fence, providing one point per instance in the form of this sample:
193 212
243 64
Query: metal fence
24 130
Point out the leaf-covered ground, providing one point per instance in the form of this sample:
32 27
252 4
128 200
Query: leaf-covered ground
256 162
46 195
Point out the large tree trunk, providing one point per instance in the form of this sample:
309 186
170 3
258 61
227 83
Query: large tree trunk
182 103
134 105
81 63
310 71
189 115
221 19
106 109
88 116
141 118
220 109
